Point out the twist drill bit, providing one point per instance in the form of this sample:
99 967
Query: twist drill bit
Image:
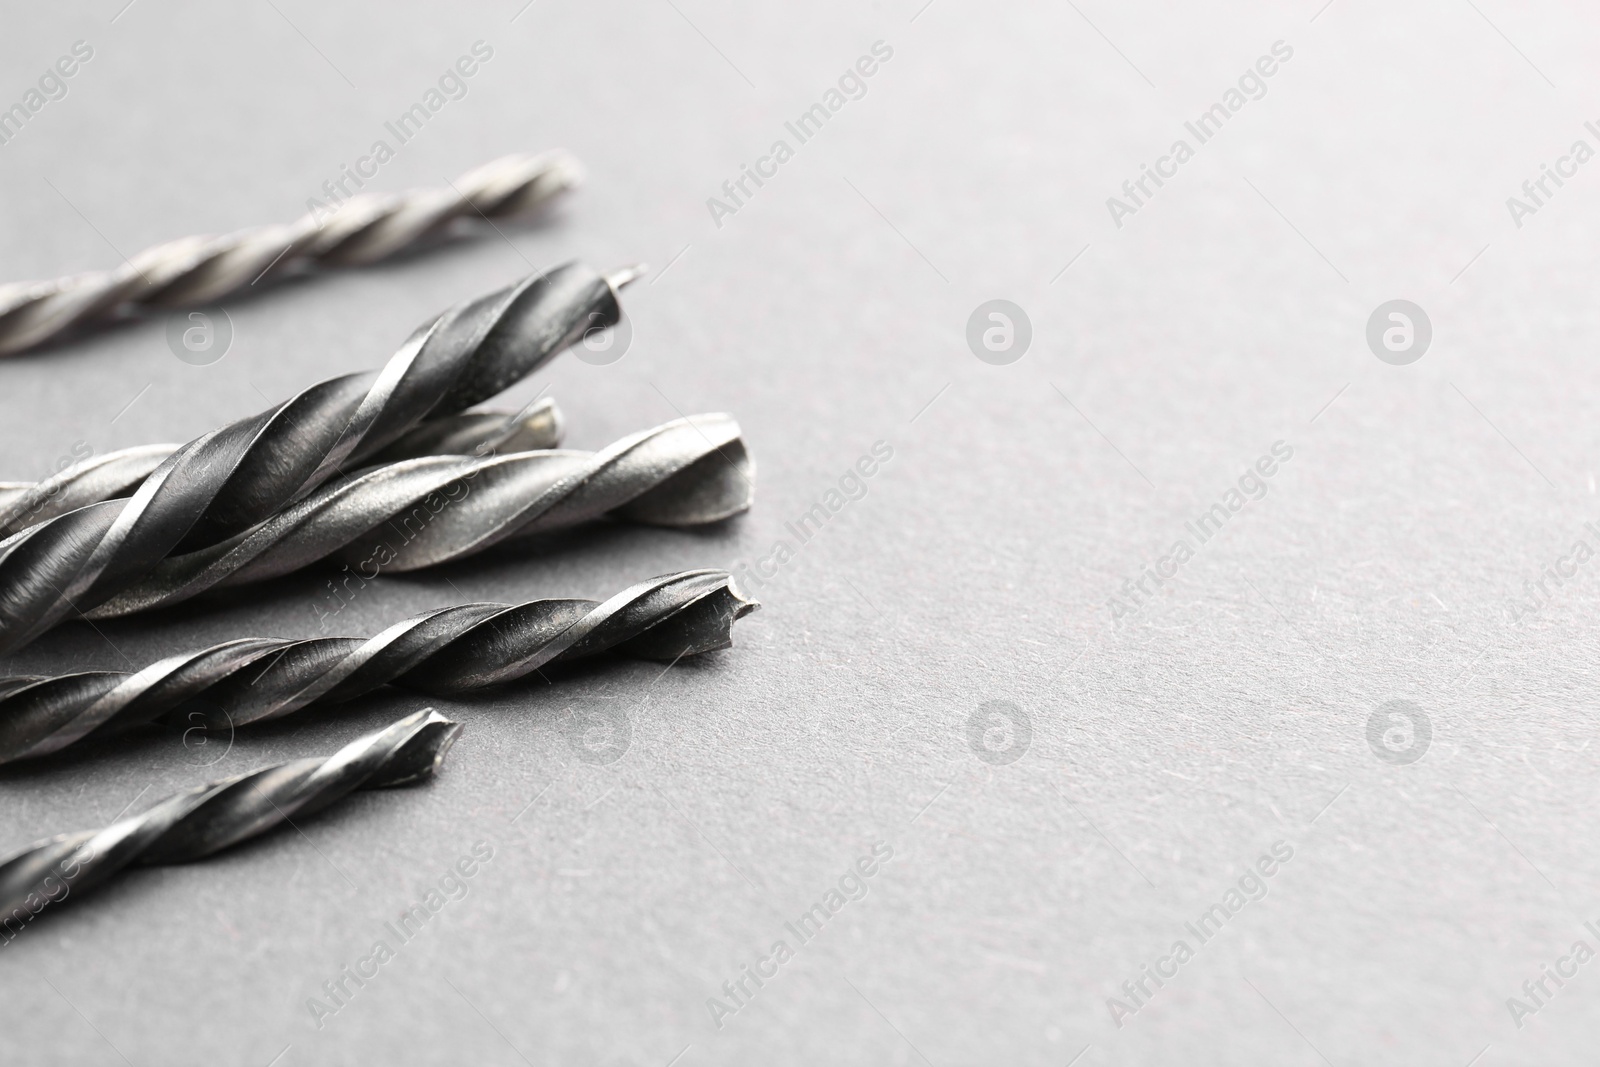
195 271
117 474
420 512
22 504
231 479
197 823
444 652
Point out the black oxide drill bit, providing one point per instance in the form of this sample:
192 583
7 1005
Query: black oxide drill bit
195 271
197 823
235 477
118 473
445 652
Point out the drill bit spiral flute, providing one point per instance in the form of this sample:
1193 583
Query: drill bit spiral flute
266 495
202 821
444 652
386 469
112 474
194 271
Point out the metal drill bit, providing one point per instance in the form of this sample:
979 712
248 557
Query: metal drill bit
118 474
197 823
196 271
231 479
444 652
422 512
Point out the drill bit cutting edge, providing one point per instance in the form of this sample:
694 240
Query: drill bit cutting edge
205 820
232 479
195 271
445 652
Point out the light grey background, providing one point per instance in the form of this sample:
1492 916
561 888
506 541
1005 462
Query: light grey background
1167 753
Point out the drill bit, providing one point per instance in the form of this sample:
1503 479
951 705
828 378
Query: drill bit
201 821
421 512
196 271
117 474
233 478
444 652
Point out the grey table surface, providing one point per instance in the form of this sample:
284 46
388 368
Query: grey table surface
1163 739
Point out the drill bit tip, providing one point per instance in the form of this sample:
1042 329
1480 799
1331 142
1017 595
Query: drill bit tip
624 276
